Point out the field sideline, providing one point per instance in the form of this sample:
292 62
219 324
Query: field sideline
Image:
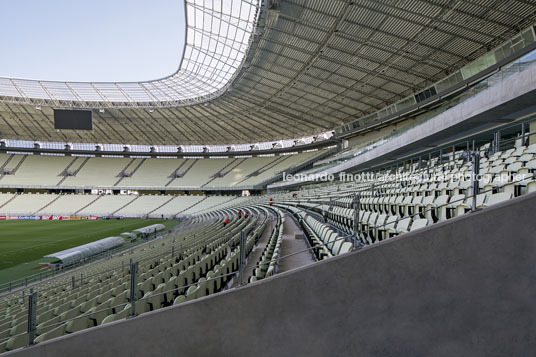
26 242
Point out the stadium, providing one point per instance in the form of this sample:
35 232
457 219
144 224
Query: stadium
316 178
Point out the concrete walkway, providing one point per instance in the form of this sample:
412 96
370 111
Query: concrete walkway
291 244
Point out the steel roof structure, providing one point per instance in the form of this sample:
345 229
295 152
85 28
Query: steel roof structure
217 39
275 69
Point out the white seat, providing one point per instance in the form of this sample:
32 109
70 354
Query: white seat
418 223
497 198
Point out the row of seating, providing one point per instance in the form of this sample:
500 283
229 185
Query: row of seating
133 173
325 241
204 260
154 206
420 195
67 304
267 265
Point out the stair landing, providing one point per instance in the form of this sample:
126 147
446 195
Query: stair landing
293 240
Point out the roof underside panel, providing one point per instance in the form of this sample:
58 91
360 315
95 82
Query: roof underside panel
268 70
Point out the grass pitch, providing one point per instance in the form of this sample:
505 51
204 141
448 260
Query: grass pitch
24 243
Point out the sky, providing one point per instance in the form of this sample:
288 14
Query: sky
91 40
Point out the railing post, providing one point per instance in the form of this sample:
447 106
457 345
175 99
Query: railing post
330 208
356 219
173 251
523 133
133 287
32 316
72 282
474 179
242 261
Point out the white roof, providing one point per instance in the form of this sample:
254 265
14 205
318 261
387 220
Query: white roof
150 229
218 36
75 254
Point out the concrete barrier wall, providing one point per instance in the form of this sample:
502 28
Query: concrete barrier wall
465 287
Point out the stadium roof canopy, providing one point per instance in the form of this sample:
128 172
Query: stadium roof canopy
257 70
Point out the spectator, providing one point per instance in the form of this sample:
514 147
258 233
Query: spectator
245 215
226 221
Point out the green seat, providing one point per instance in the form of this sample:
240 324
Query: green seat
100 312
145 287
211 283
4 332
45 316
79 300
47 325
203 285
67 315
89 304
104 296
17 342
170 289
157 298
120 299
79 324
62 308
54 333
17 329
119 316
192 293
92 294
5 325
119 289
179 299
143 306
